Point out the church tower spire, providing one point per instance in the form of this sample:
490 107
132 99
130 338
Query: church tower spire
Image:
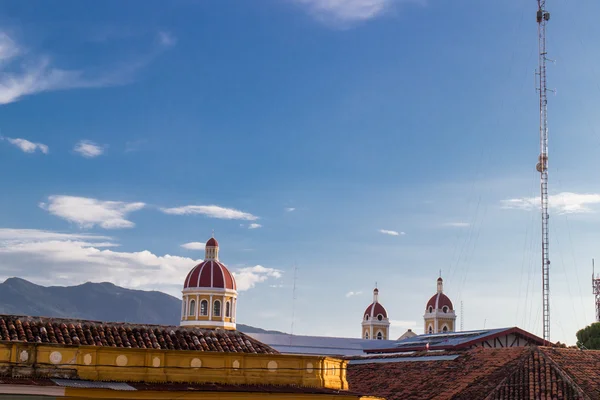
439 314
375 324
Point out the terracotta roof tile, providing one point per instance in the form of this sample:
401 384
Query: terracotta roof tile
498 374
117 334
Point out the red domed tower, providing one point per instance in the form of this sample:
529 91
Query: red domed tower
375 324
209 293
439 312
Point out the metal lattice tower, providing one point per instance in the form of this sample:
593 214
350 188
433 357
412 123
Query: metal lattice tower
596 288
543 17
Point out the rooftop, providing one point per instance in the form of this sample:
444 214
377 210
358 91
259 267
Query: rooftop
319 345
455 340
507 373
125 335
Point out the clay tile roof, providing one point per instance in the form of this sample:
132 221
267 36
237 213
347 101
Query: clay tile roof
504 373
119 334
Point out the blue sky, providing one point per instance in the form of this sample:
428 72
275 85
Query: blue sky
362 141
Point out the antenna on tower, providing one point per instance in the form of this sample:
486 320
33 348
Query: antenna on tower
543 17
293 304
462 317
596 287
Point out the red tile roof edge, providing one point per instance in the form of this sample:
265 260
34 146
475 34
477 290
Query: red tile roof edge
78 332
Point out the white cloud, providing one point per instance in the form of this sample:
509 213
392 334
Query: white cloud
88 149
23 73
211 211
52 258
290 209
349 11
564 203
246 278
391 233
254 226
350 294
88 212
457 224
37 234
25 145
193 246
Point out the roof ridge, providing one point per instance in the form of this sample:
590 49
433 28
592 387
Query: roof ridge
525 359
563 374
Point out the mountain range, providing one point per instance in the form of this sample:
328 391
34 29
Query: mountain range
94 301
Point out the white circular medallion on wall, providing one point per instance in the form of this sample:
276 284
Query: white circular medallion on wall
24 356
55 357
122 360
309 368
236 364
87 359
156 362
196 363
272 366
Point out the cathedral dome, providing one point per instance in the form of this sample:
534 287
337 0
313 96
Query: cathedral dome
209 295
210 273
438 301
375 310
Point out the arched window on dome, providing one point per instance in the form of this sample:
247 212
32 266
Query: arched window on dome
445 309
217 308
204 308
430 309
379 317
366 335
366 317
445 329
430 330
227 309
379 336
192 308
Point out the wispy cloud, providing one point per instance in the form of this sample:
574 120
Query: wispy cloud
25 145
88 149
23 72
166 38
402 324
246 278
350 294
564 203
343 12
211 211
193 246
457 224
290 209
254 226
88 212
391 233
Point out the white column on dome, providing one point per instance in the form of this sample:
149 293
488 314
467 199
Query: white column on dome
210 308
197 306
182 307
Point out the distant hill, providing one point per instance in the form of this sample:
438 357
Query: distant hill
96 301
